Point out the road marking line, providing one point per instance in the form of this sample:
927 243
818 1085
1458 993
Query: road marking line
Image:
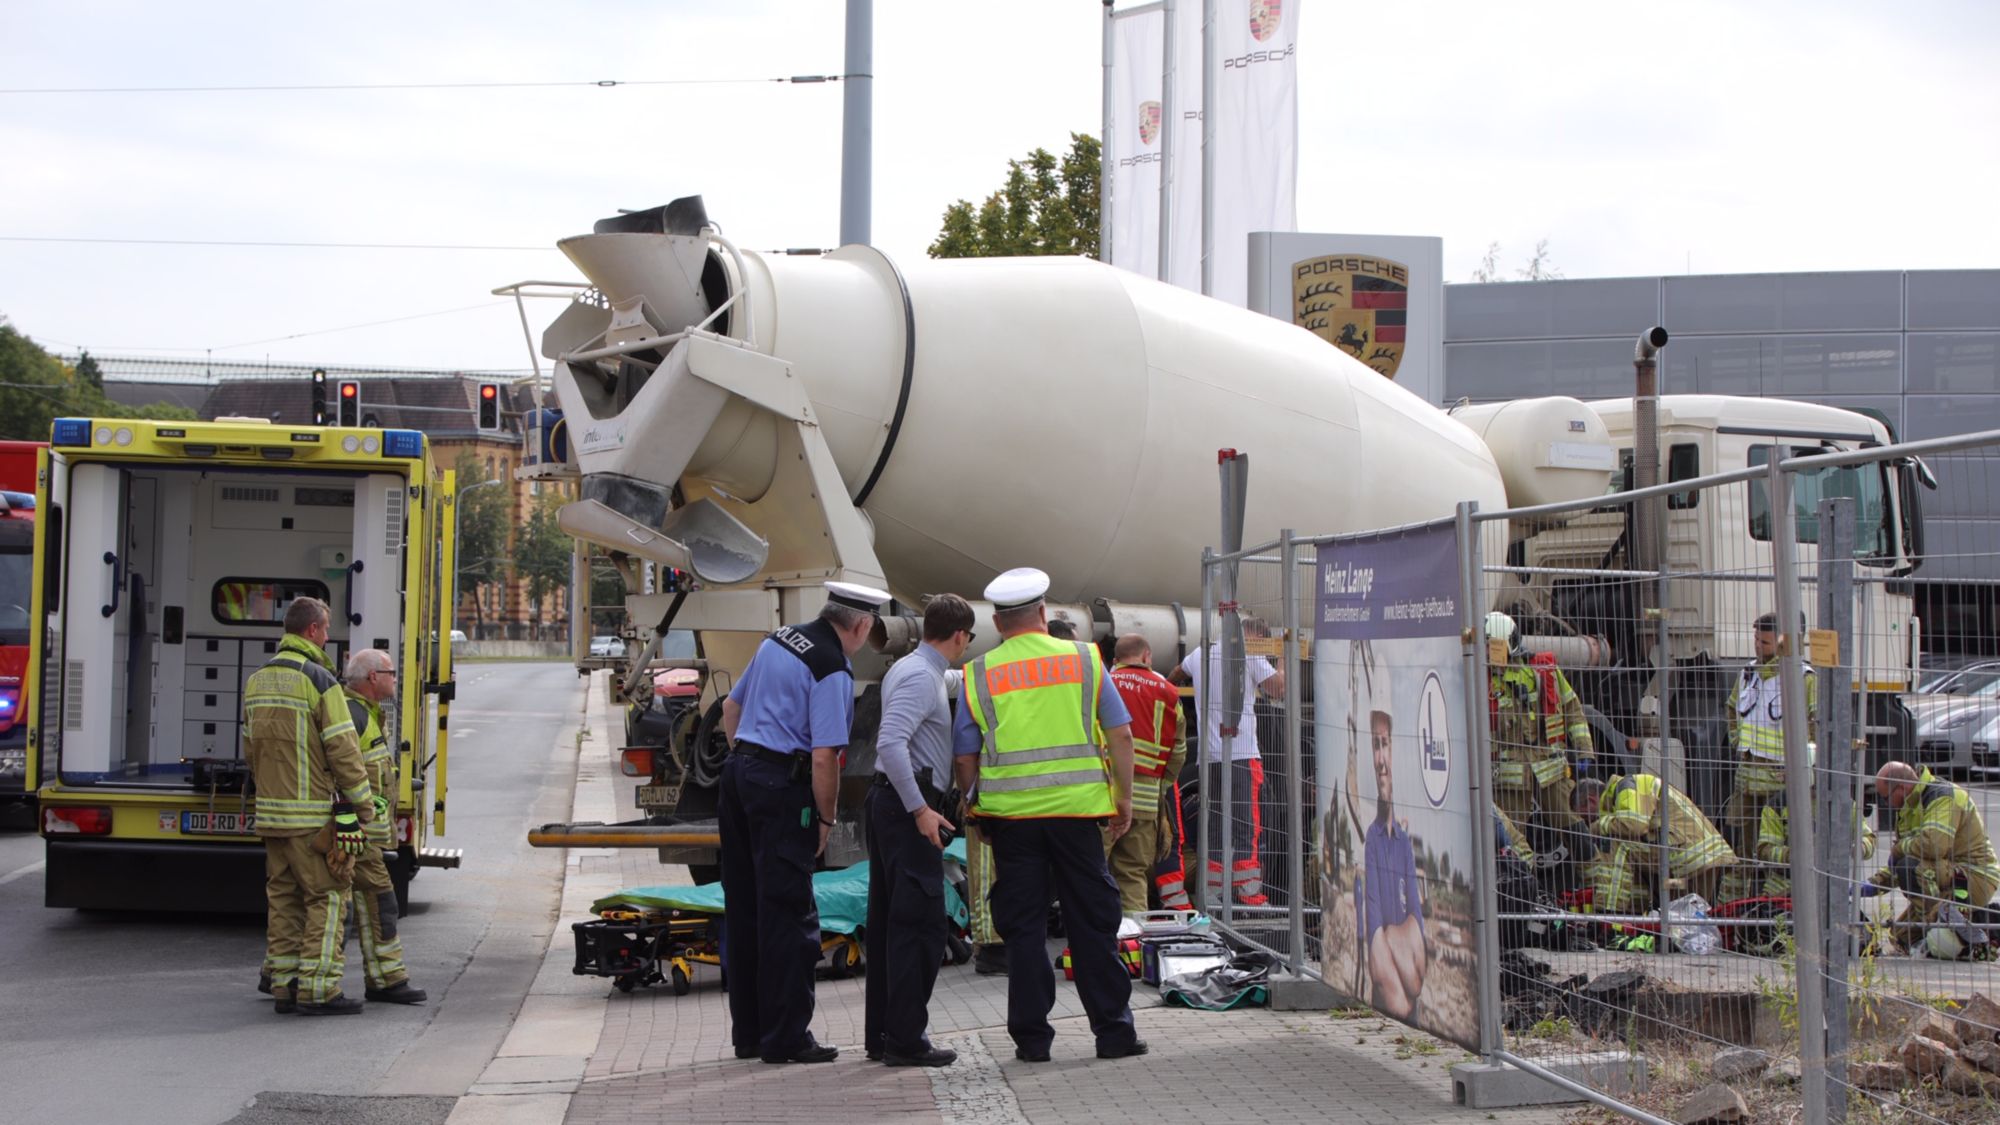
24 872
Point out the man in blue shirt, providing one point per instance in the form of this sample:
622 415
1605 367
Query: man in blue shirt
906 838
788 721
1390 899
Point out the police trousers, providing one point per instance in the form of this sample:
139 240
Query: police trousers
906 927
770 843
305 920
1031 859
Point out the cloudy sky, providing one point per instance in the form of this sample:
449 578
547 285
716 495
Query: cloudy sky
1638 139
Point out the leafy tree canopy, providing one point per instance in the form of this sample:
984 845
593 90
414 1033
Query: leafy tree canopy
36 389
1046 206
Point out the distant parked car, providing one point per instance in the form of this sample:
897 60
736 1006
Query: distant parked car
1956 675
458 636
1956 725
607 646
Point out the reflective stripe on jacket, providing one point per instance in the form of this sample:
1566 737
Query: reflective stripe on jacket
378 760
299 741
1034 700
1940 826
1159 745
1630 810
1757 712
1530 735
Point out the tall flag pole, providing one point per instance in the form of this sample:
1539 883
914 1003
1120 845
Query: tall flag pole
1105 201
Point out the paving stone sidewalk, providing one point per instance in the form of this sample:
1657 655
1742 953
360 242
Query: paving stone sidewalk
661 1058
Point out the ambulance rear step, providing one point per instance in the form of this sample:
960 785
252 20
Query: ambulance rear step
439 857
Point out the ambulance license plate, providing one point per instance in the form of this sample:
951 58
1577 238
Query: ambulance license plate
218 823
657 796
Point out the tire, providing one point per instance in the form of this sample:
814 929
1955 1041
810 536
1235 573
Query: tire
682 985
710 748
840 962
626 983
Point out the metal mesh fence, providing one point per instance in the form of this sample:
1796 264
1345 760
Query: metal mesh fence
1674 737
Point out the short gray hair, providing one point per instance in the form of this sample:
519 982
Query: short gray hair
365 663
844 616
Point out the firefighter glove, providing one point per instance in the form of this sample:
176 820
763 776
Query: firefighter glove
381 810
1582 766
347 830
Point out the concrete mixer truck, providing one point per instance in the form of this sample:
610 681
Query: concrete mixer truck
751 425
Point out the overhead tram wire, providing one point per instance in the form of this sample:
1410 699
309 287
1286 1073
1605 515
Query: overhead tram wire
606 83
279 245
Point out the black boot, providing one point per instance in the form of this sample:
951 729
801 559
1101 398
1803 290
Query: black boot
338 1006
402 992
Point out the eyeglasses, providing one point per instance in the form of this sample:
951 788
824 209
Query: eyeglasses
389 672
970 636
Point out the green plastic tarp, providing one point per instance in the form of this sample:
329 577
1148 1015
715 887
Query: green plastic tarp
842 897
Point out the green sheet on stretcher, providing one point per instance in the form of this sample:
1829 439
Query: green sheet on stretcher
842 896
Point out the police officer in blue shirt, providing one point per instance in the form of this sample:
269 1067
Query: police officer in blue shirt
788 719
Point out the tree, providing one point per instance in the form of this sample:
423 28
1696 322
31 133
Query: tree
544 556
1539 267
482 533
36 389
1046 206
87 372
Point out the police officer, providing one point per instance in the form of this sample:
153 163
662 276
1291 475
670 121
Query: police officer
1027 736
371 678
907 834
788 720
299 741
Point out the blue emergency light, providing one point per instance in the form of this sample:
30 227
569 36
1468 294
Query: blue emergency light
71 431
402 443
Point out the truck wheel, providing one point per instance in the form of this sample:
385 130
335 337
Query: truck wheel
710 748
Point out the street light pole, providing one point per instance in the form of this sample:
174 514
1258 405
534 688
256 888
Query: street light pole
457 522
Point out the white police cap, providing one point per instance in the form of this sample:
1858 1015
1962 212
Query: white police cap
865 598
1018 588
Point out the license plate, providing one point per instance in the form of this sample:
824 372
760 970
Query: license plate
218 823
657 796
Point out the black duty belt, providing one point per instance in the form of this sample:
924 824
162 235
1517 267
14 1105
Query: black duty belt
932 795
775 757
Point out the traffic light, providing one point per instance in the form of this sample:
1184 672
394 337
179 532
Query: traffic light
489 407
350 403
319 396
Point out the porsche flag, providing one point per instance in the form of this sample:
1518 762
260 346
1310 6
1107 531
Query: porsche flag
1255 159
1132 132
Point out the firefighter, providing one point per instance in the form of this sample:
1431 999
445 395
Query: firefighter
1627 812
1245 811
312 798
1757 728
1539 733
1942 856
371 678
1148 856
788 722
1026 745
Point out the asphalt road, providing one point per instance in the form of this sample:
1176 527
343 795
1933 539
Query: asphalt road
127 1017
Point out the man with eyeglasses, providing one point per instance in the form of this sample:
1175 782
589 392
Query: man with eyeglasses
907 834
371 678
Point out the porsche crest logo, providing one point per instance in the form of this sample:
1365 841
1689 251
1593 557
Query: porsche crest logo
1265 18
1149 123
1358 303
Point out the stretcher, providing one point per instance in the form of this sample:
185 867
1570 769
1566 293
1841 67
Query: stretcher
654 934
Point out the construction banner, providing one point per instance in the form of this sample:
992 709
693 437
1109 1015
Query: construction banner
1396 846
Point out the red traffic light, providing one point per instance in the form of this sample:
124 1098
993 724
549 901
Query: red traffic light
349 390
488 390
